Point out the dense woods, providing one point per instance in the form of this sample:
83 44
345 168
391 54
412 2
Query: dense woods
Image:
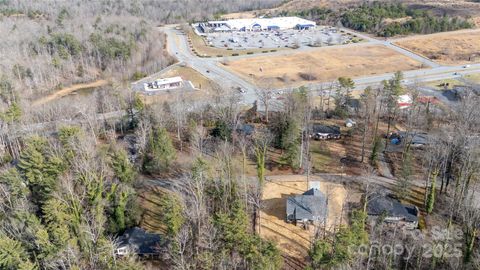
387 20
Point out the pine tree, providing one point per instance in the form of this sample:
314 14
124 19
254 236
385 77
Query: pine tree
40 169
12 254
121 165
431 193
160 151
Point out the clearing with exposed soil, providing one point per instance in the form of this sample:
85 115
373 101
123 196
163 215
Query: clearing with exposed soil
292 240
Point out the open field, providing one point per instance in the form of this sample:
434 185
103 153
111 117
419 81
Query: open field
321 65
450 48
294 241
475 78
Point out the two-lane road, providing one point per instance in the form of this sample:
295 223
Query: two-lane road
177 46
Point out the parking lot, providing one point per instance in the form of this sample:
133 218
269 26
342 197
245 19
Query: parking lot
320 36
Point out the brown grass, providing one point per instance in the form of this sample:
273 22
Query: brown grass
67 91
292 240
325 64
452 48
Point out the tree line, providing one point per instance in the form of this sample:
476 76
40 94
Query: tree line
373 18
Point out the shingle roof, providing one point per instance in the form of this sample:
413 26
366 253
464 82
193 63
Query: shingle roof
311 205
317 128
417 138
392 208
141 241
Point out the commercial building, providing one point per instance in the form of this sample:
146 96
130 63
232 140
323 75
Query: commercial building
256 24
163 84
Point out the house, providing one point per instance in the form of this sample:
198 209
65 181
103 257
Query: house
404 101
137 240
323 132
417 140
311 206
246 130
392 211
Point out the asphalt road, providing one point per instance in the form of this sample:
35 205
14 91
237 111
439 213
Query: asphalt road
177 46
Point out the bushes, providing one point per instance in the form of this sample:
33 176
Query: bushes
137 75
111 48
64 45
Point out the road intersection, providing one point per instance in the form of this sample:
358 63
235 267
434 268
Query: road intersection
177 46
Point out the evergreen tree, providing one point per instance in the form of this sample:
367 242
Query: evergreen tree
291 142
40 168
160 151
121 165
431 192
12 255
172 213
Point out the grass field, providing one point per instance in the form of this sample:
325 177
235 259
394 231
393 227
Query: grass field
475 78
440 85
321 65
293 240
451 48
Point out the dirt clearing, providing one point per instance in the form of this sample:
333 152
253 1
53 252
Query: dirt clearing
69 90
321 65
292 240
451 48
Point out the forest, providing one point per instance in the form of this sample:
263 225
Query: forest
390 19
75 176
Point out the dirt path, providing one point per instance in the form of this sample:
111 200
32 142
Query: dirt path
68 90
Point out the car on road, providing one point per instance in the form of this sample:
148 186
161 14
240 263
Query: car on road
208 71
466 66
241 90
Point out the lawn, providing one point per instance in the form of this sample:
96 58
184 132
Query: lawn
439 85
475 78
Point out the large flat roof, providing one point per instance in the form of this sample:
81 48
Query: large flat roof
281 22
